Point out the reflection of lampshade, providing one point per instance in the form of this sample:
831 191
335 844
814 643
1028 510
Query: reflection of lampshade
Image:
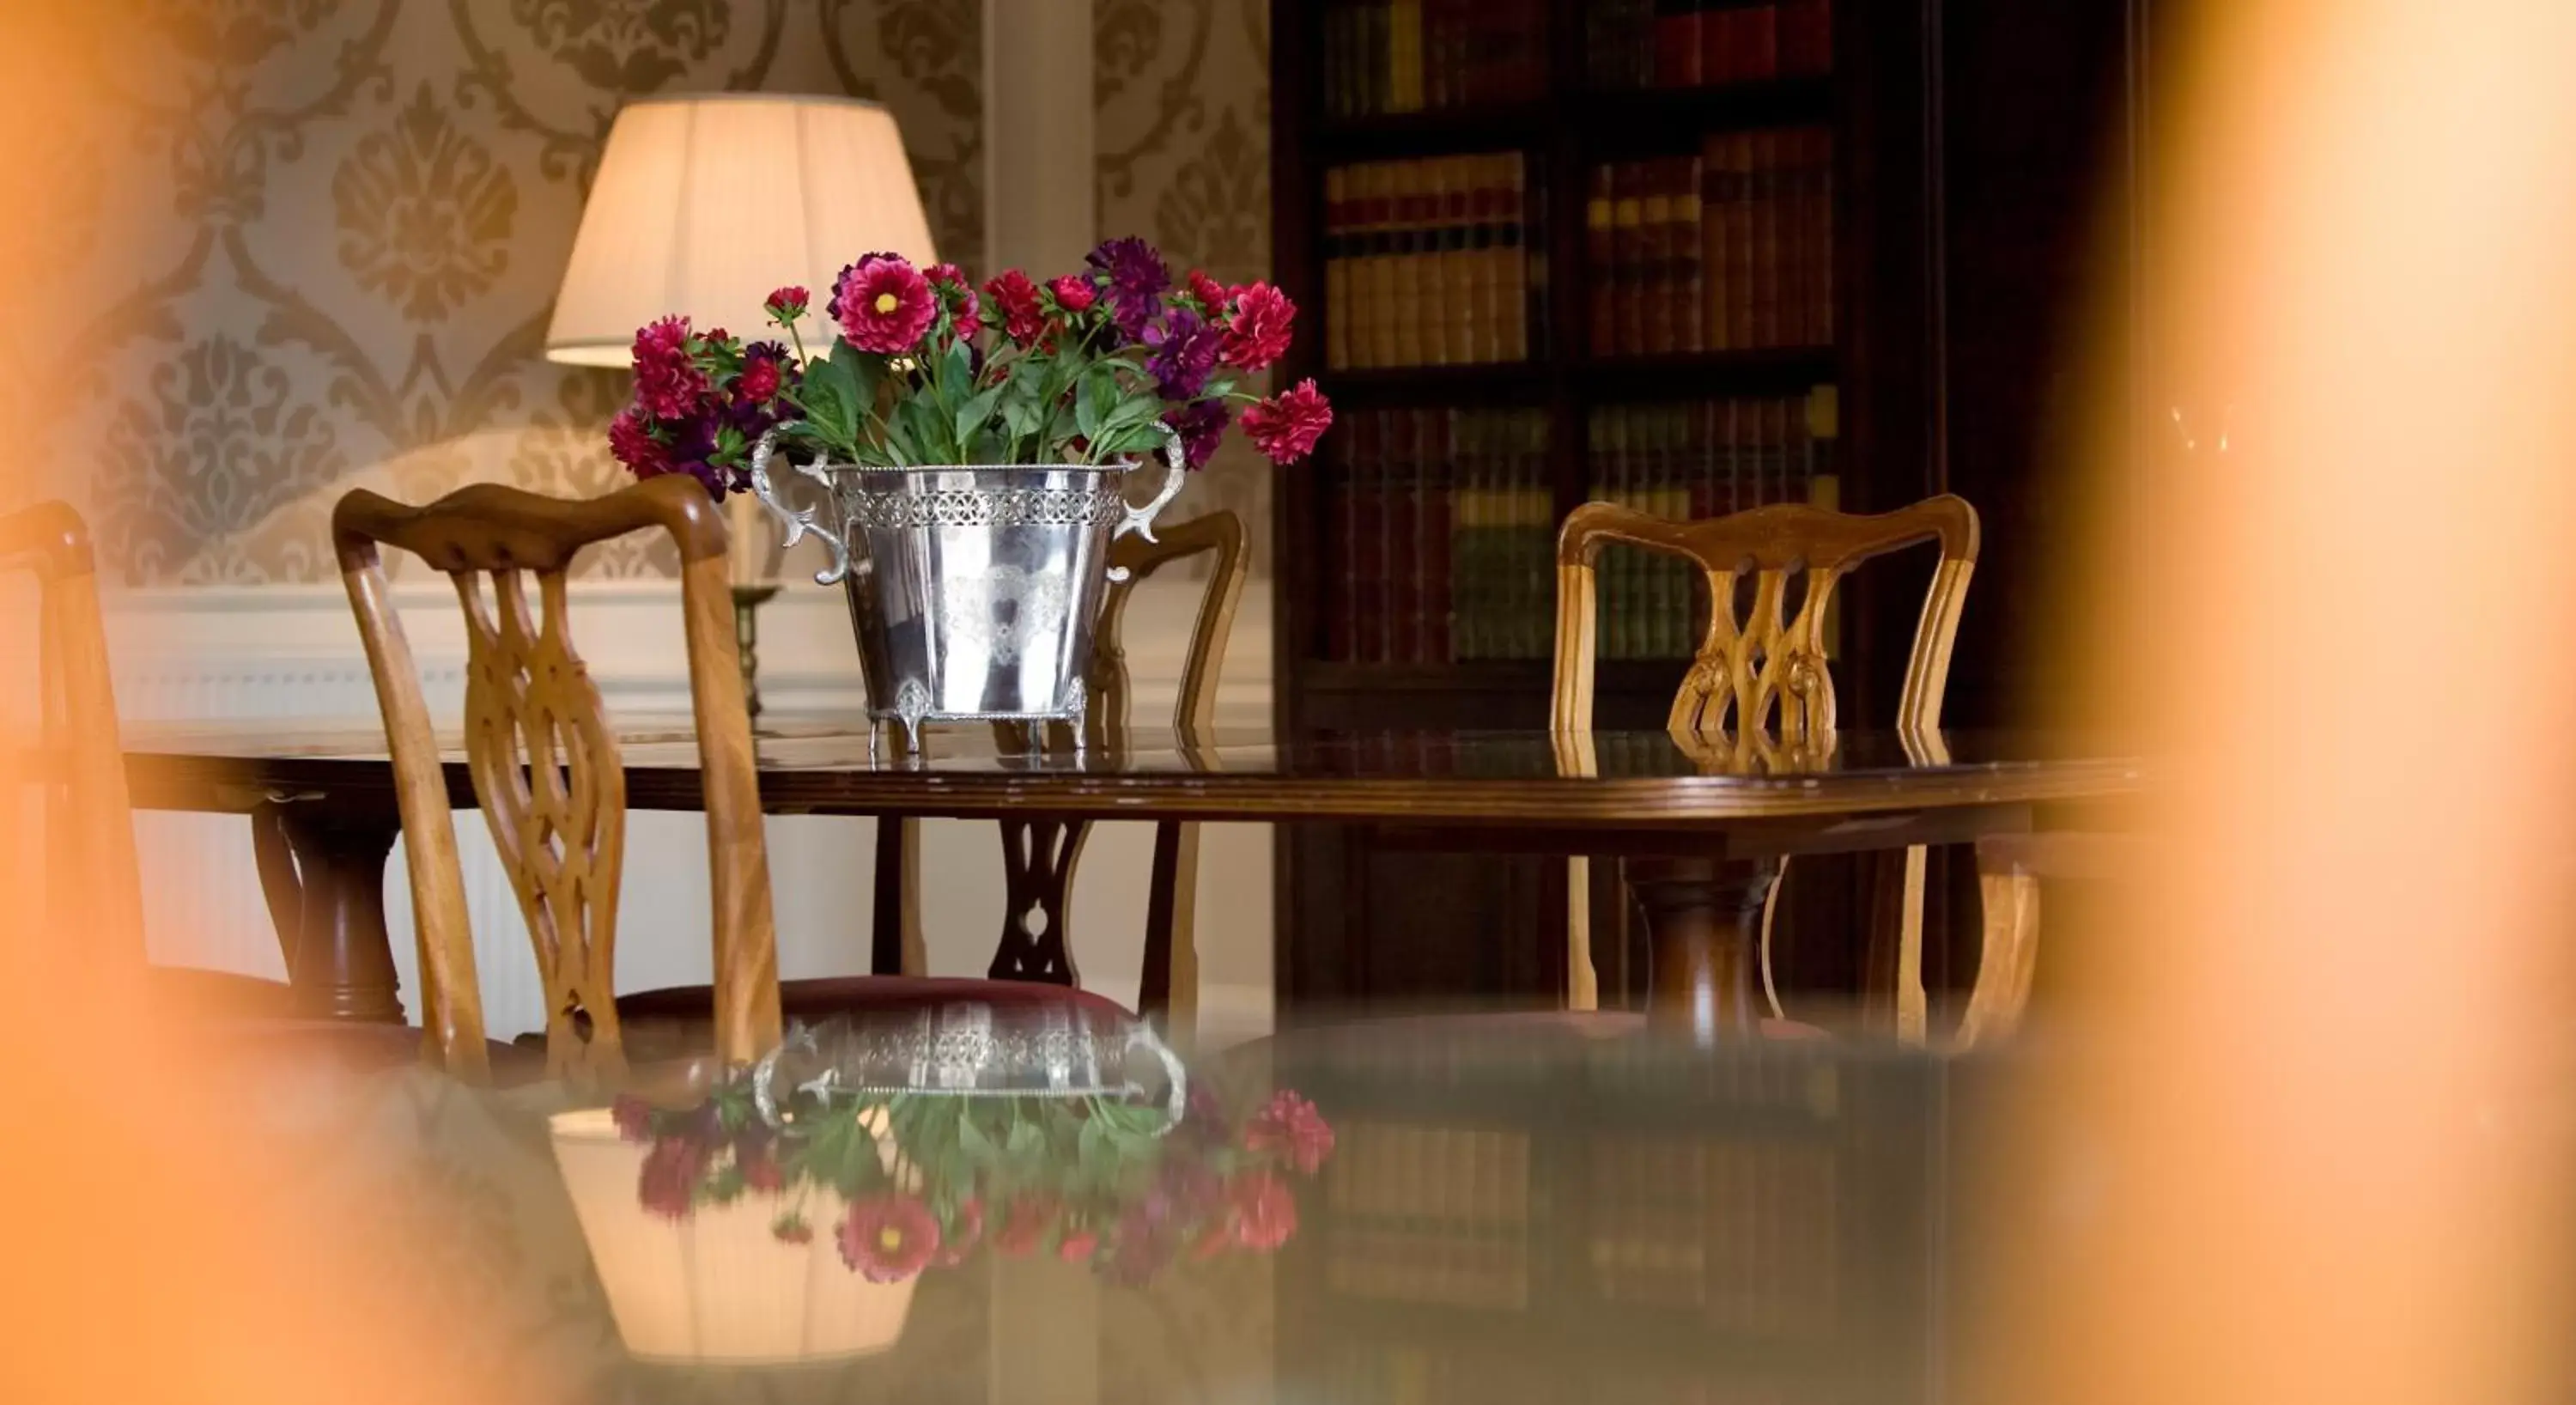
704 204
719 1287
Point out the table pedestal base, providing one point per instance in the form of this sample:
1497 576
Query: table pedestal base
1705 919
329 904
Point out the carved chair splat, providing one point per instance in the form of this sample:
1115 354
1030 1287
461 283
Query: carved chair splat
544 764
1760 690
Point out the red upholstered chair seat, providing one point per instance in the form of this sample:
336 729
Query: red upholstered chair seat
677 1021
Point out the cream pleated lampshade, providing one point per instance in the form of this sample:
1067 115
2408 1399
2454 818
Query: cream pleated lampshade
706 203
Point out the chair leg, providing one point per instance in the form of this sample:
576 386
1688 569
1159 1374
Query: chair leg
896 948
2008 958
1582 982
1170 994
1892 992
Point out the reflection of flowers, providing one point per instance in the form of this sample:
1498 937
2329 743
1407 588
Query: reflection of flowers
1265 1212
424 212
1290 1129
889 1238
925 1178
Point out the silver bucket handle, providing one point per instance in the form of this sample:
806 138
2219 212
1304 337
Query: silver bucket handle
1140 520
798 521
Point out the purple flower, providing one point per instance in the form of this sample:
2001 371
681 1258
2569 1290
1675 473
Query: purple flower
1137 278
1201 427
693 446
1185 347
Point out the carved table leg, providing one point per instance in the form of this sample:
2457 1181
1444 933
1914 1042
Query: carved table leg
1038 858
1705 919
338 954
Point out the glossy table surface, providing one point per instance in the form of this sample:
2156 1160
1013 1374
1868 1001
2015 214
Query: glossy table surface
1471 1210
1512 779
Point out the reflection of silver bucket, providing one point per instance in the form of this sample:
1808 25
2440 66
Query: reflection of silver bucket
973 589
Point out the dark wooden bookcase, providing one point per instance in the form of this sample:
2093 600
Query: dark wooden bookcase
1389 915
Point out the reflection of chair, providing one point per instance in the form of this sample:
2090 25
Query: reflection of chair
1760 691
1039 855
91 883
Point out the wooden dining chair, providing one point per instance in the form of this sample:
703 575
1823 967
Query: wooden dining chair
91 880
1760 689
1039 856
544 761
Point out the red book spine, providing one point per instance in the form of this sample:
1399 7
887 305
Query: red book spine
1761 43
1719 45
1678 26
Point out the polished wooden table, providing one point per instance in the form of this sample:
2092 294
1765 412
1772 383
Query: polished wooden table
1704 828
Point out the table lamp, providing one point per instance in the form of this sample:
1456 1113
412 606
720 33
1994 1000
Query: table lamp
703 205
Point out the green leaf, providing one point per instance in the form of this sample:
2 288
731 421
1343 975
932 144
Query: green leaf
1026 1145
1133 439
1098 396
1022 412
725 1186
977 409
977 1148
924 437
957 373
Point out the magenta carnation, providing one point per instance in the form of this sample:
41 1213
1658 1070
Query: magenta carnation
883 304
1073 292
634 445
1017 300
759 380
1258 332
668 381
1211 294
1285 426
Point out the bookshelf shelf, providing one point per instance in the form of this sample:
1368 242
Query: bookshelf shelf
1490 383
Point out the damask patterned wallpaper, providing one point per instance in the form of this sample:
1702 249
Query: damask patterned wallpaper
1182 122
294 246
330 230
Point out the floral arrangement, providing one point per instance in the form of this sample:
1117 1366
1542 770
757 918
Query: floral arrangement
1108 363
921 1180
